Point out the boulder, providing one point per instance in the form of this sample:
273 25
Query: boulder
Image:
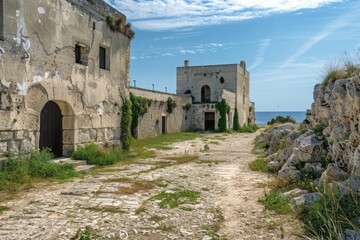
333 173
296 192
350 234
305 200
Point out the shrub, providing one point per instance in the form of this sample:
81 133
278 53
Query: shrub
236 125
93 154
126 119
224 108
329 216
18 171
281 119
248 128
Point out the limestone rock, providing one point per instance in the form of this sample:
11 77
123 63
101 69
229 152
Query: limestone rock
305 199
333 173
351 235
296 192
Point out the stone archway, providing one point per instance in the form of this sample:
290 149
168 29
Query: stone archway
39 98
205 94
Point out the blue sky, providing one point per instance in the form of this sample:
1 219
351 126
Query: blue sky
285 43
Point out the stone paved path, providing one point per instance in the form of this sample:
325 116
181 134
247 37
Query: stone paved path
109 203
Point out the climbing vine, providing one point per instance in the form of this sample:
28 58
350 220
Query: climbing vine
126 119
224 108
139 108
187 107
236 125
171 104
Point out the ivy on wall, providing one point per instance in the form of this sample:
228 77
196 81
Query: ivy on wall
125 126
139 108
224 109
187 107
236 125
171 104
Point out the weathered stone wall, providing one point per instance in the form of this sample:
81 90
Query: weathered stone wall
231 77
150 125
37 65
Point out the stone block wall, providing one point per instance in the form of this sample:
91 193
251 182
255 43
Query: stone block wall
37 65
150 125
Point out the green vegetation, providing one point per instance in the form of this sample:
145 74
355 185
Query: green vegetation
277 202
93 154
118 25
187 107
259 164
164 227
177 197
171 104
236 124
329 216
281 119
18 172
126 119
3 209
248 128
139 107
86 234
224 109
344 67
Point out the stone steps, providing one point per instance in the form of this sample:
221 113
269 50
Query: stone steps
80 165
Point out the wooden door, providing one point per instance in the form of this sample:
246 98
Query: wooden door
163 124
209 121
51 128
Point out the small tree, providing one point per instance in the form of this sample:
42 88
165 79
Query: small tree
126 119
224 109
236 125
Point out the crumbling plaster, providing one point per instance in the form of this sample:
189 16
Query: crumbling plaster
37 65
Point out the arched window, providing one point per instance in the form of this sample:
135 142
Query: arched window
205 94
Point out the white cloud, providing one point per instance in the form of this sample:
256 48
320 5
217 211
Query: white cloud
259 57
331 28
173 14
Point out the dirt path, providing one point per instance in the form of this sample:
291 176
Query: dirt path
124 201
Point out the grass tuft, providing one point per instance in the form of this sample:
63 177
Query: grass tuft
277 202
259 165
177 197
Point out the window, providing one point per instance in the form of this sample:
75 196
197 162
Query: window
1 20
81 53
104 58
205 94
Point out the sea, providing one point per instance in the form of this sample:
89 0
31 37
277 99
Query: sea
263 117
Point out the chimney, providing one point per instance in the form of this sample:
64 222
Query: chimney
186 63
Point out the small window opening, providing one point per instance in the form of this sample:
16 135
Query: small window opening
205 94
81 54
104 58
222 80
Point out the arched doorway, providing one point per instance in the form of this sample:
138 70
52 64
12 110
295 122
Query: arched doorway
205 94
51 128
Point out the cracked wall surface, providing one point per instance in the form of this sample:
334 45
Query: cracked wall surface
37 65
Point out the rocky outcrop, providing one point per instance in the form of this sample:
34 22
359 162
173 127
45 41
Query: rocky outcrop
327 144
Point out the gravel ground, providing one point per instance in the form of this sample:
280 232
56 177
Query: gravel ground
123 201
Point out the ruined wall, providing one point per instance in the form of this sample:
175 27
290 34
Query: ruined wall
220 78
37 65
150 125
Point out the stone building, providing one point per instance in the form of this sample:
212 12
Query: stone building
199 89
64 68
208 85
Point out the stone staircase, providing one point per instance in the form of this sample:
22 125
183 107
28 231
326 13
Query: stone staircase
80 165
